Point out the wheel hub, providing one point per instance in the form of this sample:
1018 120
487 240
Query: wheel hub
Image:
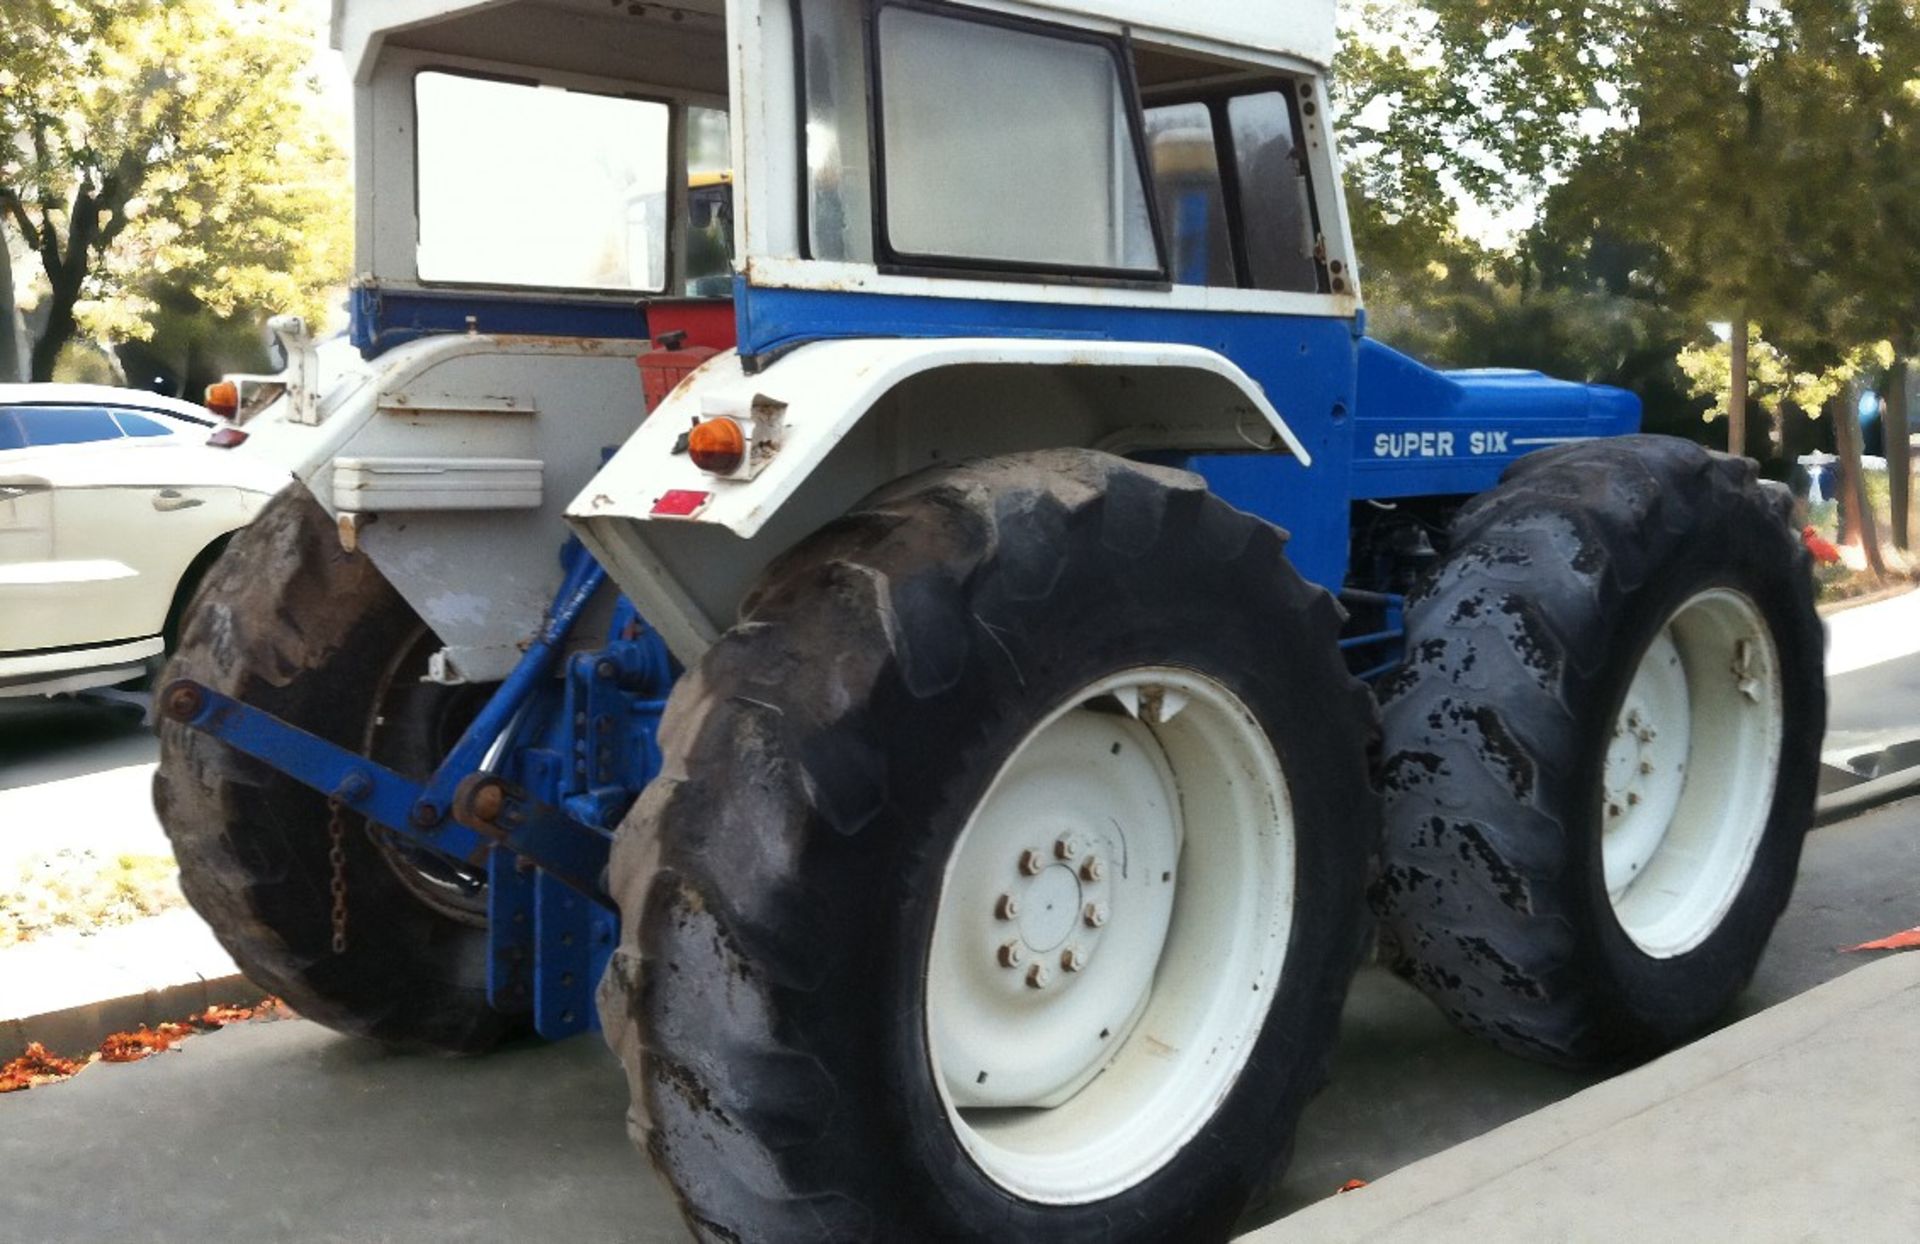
1080 1026
1057 914
1688 783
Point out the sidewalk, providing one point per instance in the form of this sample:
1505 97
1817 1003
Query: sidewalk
1801 1123
68 992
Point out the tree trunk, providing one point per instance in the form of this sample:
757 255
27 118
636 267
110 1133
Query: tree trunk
1737 391
59 330
1899 459
1844 410
9 329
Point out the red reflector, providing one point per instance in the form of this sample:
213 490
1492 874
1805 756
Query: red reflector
226 438
680 503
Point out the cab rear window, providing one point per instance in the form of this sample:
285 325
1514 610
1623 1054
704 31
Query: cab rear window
528 185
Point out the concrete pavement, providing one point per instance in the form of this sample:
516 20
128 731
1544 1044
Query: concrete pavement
1802 1123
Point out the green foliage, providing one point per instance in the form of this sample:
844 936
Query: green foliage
177 144
1691 160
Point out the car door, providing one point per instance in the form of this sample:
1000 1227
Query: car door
125 526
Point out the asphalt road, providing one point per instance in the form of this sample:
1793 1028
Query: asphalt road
286 1132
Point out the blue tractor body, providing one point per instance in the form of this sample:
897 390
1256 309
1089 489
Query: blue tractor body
578 727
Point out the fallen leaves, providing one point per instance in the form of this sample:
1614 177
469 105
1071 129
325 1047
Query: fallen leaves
1909 940
131 1047
36 1066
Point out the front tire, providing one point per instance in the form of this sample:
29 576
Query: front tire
1602 752
1010 859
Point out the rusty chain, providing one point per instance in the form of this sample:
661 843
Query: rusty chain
337 857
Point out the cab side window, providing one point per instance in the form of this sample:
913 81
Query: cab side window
1275 201
1230 179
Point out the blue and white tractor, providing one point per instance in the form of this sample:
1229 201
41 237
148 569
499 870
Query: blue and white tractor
871 533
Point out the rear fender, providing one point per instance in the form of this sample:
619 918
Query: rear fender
848 416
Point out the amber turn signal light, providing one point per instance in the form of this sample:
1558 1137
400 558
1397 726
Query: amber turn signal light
223 398
717 446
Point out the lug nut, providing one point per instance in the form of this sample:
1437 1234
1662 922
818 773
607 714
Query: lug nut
1095 915
1646 766
1031 862
1093 869
1072 959
1038 977
1633 797
1007 908
1064 849
1613 809
1011 956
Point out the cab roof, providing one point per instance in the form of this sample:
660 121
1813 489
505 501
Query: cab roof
1298 28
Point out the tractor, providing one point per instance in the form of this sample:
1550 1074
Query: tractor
863 550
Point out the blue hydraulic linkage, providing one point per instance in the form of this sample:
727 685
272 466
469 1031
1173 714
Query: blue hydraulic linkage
531 791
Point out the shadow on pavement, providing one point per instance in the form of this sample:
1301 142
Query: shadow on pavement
44 740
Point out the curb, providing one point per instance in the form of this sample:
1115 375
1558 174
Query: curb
73 1031
1530 1171
1852 800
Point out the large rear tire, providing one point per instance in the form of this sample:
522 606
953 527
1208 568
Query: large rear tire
1006 872
289 623
1602 752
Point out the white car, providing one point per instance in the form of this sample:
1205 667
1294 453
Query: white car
112 505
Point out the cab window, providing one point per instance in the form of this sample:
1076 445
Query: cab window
1230 176
1009 146
530 185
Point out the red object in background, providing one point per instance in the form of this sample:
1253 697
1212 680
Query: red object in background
707 322
1824 551
1909 940
686 333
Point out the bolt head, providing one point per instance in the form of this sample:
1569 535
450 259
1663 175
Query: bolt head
1646 766
1072 959
1633 798
1007 908
1011 955
488 801
1038 977
1032 862
183 702
1093 869
1064 849
1095 915
1613 809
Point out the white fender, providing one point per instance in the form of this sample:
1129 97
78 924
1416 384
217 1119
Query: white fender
828 388
1031 394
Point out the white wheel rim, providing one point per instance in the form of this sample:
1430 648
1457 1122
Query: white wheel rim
1690 769
1083 1033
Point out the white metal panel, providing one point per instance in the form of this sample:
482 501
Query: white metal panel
373 485
1302 28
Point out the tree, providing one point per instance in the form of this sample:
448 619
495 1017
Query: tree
174 141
